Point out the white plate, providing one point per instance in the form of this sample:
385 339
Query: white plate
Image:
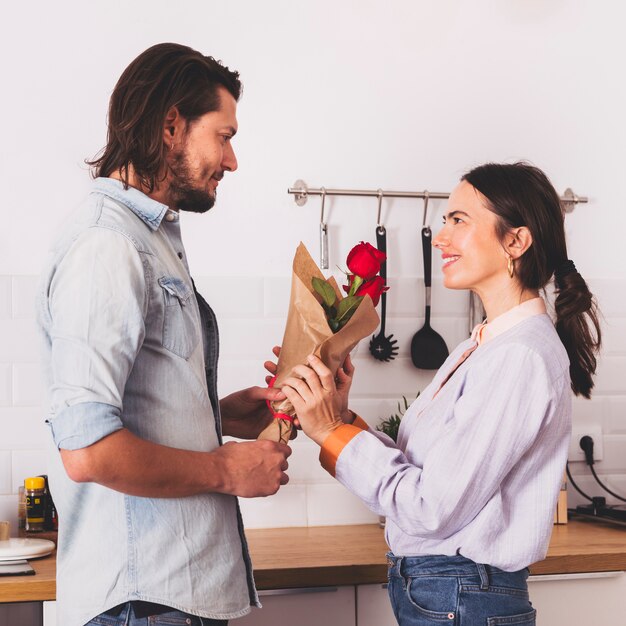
18 549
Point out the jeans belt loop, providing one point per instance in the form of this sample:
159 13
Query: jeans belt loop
484 576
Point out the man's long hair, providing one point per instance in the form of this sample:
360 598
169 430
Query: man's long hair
164 76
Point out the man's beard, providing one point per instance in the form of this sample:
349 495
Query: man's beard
183 195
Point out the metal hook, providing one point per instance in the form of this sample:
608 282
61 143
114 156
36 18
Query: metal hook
426 197
379 225
323 235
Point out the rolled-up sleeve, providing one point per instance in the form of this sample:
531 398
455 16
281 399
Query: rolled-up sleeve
97 301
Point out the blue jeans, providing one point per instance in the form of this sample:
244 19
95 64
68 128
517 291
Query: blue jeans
428 590
172 618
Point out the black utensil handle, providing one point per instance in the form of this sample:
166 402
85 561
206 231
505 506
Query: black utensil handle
381 244
427 236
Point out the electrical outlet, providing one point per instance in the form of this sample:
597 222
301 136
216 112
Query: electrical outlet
578 432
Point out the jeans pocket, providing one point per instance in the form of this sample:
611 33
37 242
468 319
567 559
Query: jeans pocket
522 619
433 597
180 333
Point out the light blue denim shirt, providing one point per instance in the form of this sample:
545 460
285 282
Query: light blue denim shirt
127 344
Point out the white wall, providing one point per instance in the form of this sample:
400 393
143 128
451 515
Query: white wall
394 94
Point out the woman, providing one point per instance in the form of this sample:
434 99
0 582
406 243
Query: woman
470 487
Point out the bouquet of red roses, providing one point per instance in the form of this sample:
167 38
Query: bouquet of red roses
321 321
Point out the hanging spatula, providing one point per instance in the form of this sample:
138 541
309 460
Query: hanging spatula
428 349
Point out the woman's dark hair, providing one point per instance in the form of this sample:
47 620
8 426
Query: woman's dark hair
521 195
164 76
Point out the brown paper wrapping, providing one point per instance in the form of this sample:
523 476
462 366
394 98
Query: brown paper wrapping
307 332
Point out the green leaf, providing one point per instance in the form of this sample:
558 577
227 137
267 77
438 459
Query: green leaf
347 307
325 290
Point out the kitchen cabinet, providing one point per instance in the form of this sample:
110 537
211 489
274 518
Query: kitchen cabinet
579 599
373 607
307 606
20 613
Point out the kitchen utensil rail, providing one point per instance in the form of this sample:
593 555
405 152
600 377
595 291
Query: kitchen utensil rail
301 192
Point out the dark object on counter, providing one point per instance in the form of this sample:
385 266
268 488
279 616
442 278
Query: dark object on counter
51 521
381 347
35 489
428 349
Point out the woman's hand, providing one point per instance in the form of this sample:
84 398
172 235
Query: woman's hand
343 382
315 398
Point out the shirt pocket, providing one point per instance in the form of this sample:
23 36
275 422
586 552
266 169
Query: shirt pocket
180 332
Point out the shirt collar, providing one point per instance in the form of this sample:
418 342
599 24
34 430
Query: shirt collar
486 331
148 210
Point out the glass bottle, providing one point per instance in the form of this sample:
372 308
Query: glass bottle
35 489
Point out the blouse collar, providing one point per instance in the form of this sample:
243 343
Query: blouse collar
488 330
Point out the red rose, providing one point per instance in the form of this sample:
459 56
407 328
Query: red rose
373 288
364 260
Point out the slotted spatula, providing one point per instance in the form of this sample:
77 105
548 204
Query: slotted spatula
381 347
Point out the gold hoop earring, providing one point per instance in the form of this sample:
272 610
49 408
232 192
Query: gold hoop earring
510 267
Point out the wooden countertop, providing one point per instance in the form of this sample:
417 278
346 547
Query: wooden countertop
353 555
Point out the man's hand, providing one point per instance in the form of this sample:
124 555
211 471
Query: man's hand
253 468
245 413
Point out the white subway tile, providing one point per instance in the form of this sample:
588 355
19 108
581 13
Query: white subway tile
610 377
277 292
609 293
5 472
24 293
304 464
236 374
23 428
332 504
614 455
19 342
6 396
615 418
26 463
396 379
8 512
614 336
285 508
5 297
27 384
249 339
238 296
588 411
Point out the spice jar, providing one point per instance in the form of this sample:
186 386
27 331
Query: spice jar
35 489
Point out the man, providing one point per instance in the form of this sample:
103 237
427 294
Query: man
149 524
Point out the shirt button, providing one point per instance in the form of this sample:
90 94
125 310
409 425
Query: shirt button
180 255
170 217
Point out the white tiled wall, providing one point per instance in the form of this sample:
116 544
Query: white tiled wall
251 313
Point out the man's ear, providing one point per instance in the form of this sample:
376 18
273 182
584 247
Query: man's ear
517 241
173 128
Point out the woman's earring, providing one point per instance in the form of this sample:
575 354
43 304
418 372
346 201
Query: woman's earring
510 267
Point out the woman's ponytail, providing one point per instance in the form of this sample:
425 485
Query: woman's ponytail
577 325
